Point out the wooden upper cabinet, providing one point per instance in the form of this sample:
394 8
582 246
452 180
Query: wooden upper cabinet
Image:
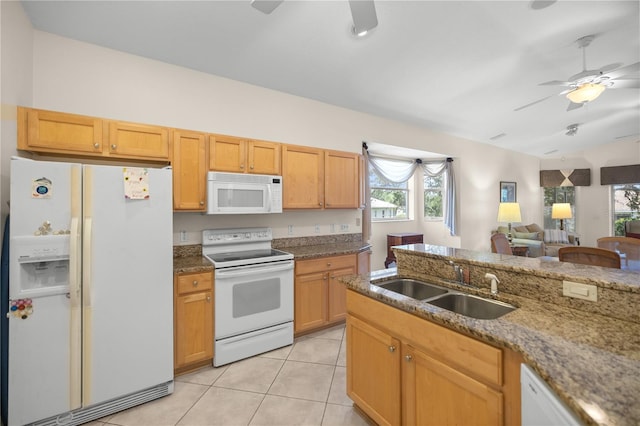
238 155
138 141
189 170
72 134
264 157
341 180
302 177
57 132
227 153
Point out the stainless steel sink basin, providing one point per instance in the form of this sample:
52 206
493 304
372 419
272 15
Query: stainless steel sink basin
472 306
412 288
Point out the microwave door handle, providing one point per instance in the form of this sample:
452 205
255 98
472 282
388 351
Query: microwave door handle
252 270
269 201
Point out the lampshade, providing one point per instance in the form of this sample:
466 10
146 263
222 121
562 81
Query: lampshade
585 93
509 212
561 211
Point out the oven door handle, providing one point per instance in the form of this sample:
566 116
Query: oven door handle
253 269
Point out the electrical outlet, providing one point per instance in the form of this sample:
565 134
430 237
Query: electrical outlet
357 221
290 229
344 227
317 228
580 290
183 236
333 227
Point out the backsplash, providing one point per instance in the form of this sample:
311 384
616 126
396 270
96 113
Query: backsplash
283 243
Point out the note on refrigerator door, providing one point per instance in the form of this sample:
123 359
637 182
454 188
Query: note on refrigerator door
136 183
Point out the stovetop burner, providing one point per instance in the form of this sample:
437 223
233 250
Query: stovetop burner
240 247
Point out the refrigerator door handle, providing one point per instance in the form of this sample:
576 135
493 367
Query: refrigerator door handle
74 263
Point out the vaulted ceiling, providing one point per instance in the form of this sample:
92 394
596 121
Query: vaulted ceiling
466 68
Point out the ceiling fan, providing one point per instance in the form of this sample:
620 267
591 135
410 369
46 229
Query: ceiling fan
363 13
587 85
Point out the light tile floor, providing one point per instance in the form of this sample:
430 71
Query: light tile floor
302 384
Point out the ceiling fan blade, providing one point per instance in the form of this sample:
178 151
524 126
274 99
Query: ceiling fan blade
573 106
629 69
555 83
266 6
632 83
532 103
364 16
610 67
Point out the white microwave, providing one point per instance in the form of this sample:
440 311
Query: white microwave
238 193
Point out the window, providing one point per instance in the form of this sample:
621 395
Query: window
559 194
626 203
389 201
433 190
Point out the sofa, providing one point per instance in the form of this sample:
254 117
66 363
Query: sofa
541 242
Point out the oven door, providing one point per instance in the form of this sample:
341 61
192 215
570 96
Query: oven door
252 297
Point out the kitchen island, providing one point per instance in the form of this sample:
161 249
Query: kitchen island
587 352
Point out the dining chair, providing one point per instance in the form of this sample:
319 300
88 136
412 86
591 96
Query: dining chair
589 256
627 247
500 244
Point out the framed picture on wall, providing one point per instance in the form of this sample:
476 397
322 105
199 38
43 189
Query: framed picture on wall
508 192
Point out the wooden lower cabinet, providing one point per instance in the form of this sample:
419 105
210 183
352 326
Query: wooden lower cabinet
437 394
193 320
320 297
370 350
402 369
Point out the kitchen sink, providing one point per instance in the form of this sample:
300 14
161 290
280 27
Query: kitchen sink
412 288
472 306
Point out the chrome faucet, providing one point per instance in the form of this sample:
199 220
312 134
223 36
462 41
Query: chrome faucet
459 272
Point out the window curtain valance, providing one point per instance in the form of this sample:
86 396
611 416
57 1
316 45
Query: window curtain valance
619 175
399 171
574 177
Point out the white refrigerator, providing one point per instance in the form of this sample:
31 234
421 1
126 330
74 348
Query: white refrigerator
90 309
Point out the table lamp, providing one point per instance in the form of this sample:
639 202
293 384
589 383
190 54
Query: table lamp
561 211
509 212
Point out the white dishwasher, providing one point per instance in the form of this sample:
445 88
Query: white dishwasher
540 405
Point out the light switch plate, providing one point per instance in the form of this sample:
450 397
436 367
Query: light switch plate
580 290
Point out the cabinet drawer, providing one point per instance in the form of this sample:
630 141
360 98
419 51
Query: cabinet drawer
325 264
189 283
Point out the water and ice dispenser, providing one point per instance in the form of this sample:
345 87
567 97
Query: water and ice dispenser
40 265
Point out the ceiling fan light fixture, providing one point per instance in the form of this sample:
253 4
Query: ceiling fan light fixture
586 93
364 16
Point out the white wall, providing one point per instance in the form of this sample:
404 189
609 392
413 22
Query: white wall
593 203
16 78
86 79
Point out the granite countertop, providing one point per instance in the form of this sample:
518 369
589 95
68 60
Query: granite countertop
591 361
320 250
191 264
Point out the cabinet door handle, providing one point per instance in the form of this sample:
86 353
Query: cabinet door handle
202 203
242 166
408 358
114 146
195 283
208 299
96 145
392 348
324 277
251 167
320 204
